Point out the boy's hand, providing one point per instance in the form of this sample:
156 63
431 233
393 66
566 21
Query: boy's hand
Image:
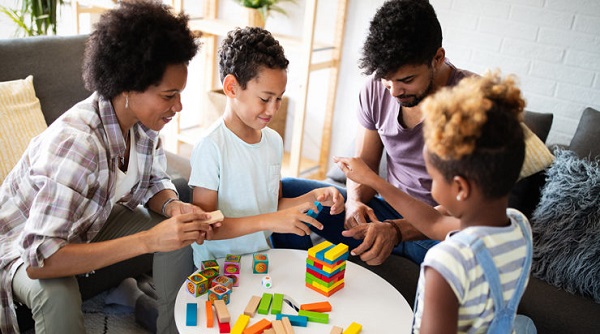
330 196
294 220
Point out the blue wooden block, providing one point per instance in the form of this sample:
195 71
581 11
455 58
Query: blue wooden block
313 214
295 320
191 317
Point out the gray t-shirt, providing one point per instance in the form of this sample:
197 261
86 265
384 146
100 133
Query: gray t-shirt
378 110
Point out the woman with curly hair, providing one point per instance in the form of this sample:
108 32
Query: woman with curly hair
474 149
86 192
236 166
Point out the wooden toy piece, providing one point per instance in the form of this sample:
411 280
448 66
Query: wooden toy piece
210 274
354 328
260 263
224 281
318 248
278 327
287 325
210 264
222 312
219 292
209 314
269 331
295 320
322 318
252 306
231 268
258 327
317 307
267 282
197 284
224 327
265 303
277 303
215 216
336 330
191 314
338 252
313 214
240 324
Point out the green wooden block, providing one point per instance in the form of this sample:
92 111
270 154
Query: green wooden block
322 318
265 303
277 303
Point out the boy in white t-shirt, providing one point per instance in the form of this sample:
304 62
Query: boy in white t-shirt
236 166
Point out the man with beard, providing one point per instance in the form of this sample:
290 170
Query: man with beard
405 61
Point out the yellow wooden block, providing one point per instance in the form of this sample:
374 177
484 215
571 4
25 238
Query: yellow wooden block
315 249
240 324
336 252
354 328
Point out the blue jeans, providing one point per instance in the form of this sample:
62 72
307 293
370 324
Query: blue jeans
334 225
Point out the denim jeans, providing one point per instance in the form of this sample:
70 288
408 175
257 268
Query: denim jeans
334 225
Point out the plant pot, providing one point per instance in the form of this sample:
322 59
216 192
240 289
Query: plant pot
254 18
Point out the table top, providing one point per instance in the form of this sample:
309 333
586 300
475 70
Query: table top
366 298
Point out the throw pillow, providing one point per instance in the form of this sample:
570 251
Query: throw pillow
537 155
566 226
22 119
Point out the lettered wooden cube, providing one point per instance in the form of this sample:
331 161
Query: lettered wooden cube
197 284
260 263
232 260
233 272
209 264
210 275
224 281
219 292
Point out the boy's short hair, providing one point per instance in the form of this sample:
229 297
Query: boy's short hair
474 130
402 32
244 51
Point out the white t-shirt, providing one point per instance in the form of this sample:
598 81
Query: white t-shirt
246 177
126 181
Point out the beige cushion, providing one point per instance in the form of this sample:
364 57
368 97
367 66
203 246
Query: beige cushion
22 119
537 154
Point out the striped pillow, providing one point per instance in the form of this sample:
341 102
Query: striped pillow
537 154
22 119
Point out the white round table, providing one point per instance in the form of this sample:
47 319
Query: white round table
366 298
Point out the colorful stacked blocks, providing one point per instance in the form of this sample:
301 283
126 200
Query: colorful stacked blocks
197 284
325 267
260 263
231 268
219 292
209 264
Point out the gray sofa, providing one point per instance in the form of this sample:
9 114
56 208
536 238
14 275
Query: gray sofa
55 63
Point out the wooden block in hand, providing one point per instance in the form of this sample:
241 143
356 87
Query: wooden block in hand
215 216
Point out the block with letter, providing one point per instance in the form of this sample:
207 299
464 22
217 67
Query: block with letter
219 292
260 263
197 284
231 268
326 267
224 281
210 274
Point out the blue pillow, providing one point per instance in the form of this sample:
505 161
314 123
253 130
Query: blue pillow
566 226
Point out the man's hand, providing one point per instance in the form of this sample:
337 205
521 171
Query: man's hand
379 239
178 231
358 213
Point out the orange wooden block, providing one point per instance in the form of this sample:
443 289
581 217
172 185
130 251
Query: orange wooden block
258 327
317 307
209 314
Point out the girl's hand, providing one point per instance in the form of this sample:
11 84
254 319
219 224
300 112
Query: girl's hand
356 170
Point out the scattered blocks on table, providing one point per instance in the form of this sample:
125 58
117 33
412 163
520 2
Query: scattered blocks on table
258 327
210 264
317 307
191 314
260 263
287 325
240 324
277 304
219 292
252 306
354 328
267 282
197 284
295 320
322 318
224 281
265 303
336 330
326 267
222 311
313 214
209 314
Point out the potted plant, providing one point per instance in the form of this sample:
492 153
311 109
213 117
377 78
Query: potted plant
34 17
259 10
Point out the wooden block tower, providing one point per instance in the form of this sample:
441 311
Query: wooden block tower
325 267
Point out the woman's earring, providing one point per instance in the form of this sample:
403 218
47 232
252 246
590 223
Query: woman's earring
458 198
126 101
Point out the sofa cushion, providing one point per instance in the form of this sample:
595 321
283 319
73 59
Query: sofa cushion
586 141
22 119
537 154
566 226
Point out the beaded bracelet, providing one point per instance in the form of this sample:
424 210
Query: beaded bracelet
167 202
398 232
